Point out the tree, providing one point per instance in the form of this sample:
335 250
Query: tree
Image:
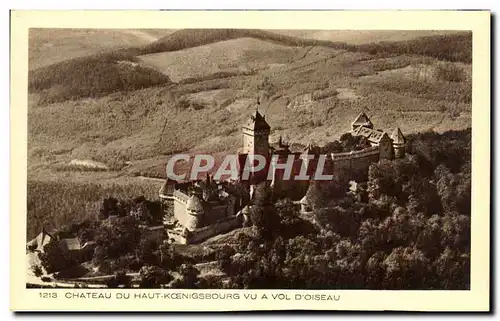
37 271
262 195
120 279
168 258
263 214
147 251
189 277
290 223
210 282
375 270
332 147
117 239
223 256
430 238
452 270
153 277
140 210
456 232
53 258
109 207
265 221
316 195
406 268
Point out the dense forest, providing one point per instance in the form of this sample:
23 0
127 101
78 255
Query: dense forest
92 76
452 47
407 227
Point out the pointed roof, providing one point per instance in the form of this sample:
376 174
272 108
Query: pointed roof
257 122
362 120
397 136
304 200
42 239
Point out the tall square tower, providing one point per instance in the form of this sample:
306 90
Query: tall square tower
256 135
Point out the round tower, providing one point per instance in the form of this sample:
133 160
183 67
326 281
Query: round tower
195 213
398 143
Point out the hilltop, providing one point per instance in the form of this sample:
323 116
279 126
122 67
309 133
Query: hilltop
189 38
48 46
91 76
451 46
357 37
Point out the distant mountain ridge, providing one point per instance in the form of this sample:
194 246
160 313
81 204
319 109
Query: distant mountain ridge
452 47
101 74
188 38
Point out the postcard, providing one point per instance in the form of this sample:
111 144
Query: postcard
250 160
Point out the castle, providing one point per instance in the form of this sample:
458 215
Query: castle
204 208
201 209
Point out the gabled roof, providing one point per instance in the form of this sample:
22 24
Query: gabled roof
257 122
363 131
362 120
376 136
397 136
41 240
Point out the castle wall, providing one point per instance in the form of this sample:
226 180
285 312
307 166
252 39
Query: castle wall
220 227
156 233
343 166
180 211
177 236
193 221
217 213
354 165
399 151
231 207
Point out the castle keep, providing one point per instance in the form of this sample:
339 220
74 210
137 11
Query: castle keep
203 208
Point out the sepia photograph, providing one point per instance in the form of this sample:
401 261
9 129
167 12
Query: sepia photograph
248 159
390 110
